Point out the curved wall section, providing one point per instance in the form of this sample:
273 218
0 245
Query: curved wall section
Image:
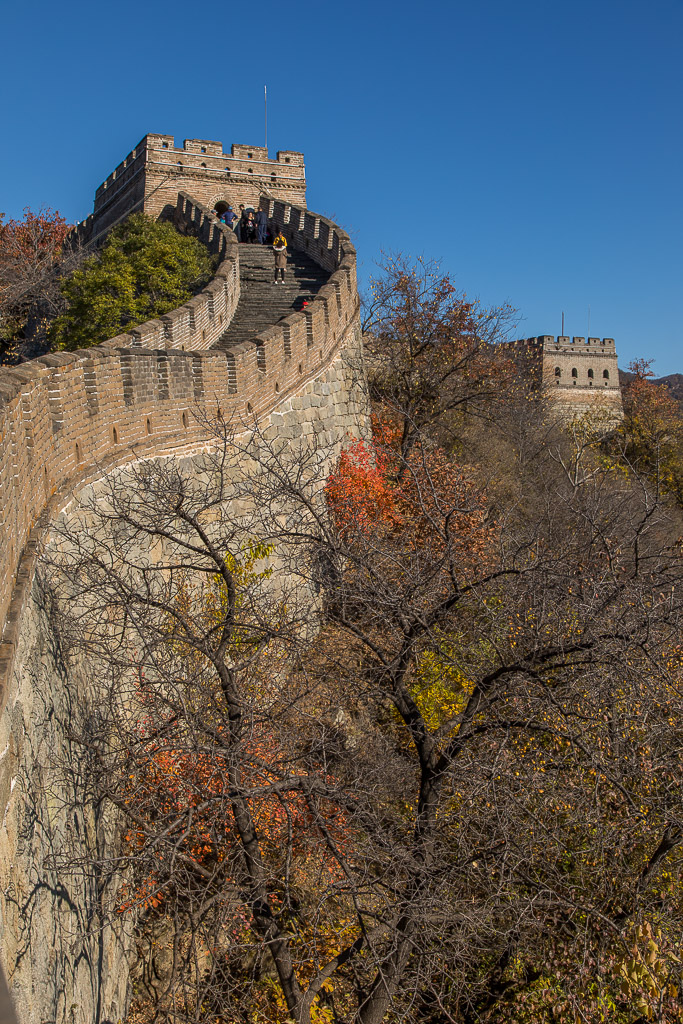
66 415
66 420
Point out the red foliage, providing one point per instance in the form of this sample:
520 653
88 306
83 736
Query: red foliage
173 782
359 492
38 237
30 255
422 499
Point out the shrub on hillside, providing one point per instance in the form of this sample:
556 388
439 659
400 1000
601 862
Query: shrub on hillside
145 269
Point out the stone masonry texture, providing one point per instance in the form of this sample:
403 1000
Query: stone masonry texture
153 174
67 420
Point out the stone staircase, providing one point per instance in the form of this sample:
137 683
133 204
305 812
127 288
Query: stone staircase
262 302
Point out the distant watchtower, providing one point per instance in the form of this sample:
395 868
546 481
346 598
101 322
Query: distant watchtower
581 373
155 172
577 374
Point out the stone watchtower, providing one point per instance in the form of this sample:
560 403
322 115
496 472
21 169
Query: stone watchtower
581 373
576 374
153 174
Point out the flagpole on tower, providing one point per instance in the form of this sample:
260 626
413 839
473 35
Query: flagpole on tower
265 113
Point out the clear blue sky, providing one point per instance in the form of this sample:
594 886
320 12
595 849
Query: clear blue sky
535 148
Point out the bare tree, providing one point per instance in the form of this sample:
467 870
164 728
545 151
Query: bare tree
381 751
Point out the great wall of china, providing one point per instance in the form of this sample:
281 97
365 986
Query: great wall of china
240 351
68 419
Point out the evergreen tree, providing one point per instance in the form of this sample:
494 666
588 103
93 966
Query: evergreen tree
145 269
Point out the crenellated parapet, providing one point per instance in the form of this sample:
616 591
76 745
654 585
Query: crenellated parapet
153 173
199 323
577 373
65 416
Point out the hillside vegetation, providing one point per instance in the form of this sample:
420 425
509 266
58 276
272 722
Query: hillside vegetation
57 294
402 743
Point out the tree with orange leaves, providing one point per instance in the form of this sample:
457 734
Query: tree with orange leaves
652 430
416 757
32 256
431 352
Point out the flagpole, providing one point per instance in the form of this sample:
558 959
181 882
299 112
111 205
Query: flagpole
265 112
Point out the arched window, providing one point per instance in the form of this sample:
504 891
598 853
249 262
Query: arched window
558 371
575 372
591 375
605 374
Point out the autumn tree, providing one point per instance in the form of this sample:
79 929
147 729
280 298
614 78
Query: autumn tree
432 354
381 749
651 437
32 255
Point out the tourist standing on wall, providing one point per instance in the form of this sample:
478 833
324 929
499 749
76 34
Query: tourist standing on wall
239 228
280 250
262 226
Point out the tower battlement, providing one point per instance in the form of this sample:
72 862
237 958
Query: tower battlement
152 175
578 373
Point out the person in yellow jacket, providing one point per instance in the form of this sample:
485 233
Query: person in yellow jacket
280 250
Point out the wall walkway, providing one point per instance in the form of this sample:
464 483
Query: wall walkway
66 420
66 416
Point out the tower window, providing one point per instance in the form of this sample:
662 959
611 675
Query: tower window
575 372
203 149
605 374
164 145
591 375
558 371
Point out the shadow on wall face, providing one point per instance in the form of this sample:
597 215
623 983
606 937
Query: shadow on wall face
7 1014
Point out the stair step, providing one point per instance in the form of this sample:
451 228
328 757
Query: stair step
264 303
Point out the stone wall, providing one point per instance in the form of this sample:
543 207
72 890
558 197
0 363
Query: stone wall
65 414
199 323
66 959
581 374
578 374
154 172
66 420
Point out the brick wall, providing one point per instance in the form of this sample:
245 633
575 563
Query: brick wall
200 322
65 416
588 374
153 174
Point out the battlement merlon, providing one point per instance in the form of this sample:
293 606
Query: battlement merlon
579 344
160 148
153 174
576 345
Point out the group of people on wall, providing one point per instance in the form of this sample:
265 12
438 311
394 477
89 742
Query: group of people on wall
251 226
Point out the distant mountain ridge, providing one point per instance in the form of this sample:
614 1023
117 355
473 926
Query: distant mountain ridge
673 381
